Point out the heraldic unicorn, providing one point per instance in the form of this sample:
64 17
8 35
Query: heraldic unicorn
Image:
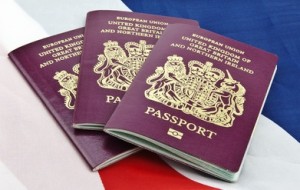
117 70
203 91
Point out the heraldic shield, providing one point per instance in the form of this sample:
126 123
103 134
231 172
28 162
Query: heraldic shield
203 91
116 69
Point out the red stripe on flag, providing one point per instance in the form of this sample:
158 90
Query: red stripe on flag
145 171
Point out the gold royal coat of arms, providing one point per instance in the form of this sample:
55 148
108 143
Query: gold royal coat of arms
204 91
116 70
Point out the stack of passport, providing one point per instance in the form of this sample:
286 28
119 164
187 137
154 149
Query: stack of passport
131 81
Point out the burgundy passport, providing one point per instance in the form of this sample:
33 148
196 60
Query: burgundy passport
51 67
116 44
196 100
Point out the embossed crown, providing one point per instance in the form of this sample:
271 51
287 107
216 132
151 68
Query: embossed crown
142 47
175 58
207 70
110 43
60 75
218 74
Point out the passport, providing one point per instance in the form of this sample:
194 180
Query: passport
196 100
116 45
51 68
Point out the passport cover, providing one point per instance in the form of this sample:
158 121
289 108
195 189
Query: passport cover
196 100
51 67
115 46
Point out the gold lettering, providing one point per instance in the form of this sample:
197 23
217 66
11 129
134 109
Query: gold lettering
47 63
135 33
132 19
107 31
78 36
211 133
128 28
201 131
157 114
109 99
112 99
188 126
234 49
158 22
203 38
174 119
57 43
216 58
117 100
166 116
120 23
150 27
181 46
77 43
180 122
149 109
64 57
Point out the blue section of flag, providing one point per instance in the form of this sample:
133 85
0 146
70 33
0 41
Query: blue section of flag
271 25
